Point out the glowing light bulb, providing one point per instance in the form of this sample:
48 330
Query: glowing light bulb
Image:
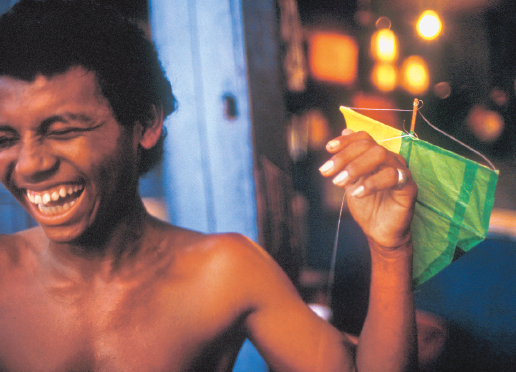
384 76
384 45
415 75
333 57
429 25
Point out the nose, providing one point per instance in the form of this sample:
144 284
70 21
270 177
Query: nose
35 163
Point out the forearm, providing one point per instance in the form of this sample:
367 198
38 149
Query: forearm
388 341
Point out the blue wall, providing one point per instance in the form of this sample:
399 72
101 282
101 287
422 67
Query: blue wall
475 295
13 216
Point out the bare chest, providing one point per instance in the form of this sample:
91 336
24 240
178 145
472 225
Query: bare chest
141 328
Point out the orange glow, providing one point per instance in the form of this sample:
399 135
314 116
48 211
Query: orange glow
384 45
318 129
415 76
384 76
442 89
499 97
429 25
333 57
485 124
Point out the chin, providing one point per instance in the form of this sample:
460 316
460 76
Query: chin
63 234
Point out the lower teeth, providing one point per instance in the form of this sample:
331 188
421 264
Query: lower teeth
56 209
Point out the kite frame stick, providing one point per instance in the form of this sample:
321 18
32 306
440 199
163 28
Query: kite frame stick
414 114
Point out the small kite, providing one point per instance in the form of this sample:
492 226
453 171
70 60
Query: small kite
455 195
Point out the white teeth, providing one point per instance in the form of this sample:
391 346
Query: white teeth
57 209
46 198
42 200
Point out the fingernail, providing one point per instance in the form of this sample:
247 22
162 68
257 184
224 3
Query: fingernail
326 166
347 132
341 178
358 191
332 144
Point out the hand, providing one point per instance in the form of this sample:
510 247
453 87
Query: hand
369 173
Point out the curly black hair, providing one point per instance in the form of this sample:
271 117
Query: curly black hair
49 37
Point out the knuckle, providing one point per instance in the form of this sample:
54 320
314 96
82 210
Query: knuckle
380 153
401 159
393 173
363 143
363 135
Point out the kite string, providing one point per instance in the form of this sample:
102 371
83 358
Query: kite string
385 109
374 109
402 136
420 105
333 263
491 165
331 274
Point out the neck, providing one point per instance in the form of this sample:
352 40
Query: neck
106 245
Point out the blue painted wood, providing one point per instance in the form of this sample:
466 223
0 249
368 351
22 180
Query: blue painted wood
208 169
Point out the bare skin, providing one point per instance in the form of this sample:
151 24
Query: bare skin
103 286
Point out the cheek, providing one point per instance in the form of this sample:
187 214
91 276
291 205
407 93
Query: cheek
90 152
7 164
116 169
107 164
3 168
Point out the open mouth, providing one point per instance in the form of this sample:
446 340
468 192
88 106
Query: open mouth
57 200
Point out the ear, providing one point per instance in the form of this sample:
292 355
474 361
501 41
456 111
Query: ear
152 131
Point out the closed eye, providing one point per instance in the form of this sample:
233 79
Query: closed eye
6 142
65 126
65 131
69 132
8 137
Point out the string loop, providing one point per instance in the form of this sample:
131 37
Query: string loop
331 274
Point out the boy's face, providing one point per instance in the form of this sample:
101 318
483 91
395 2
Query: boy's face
63 154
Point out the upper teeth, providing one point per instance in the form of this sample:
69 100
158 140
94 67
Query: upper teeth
54 195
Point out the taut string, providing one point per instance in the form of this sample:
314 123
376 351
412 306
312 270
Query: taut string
417 107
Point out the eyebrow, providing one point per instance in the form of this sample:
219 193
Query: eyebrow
80 117
66 118
6 128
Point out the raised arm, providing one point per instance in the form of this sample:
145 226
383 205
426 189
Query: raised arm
286 332
381 195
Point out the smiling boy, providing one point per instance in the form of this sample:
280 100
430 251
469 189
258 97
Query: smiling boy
100 285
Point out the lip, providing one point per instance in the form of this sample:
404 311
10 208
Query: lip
61 217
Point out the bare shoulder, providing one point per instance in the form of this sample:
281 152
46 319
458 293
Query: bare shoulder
238 255
230 254
247 269
237 248
13 247
219 249
228 261
287 333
